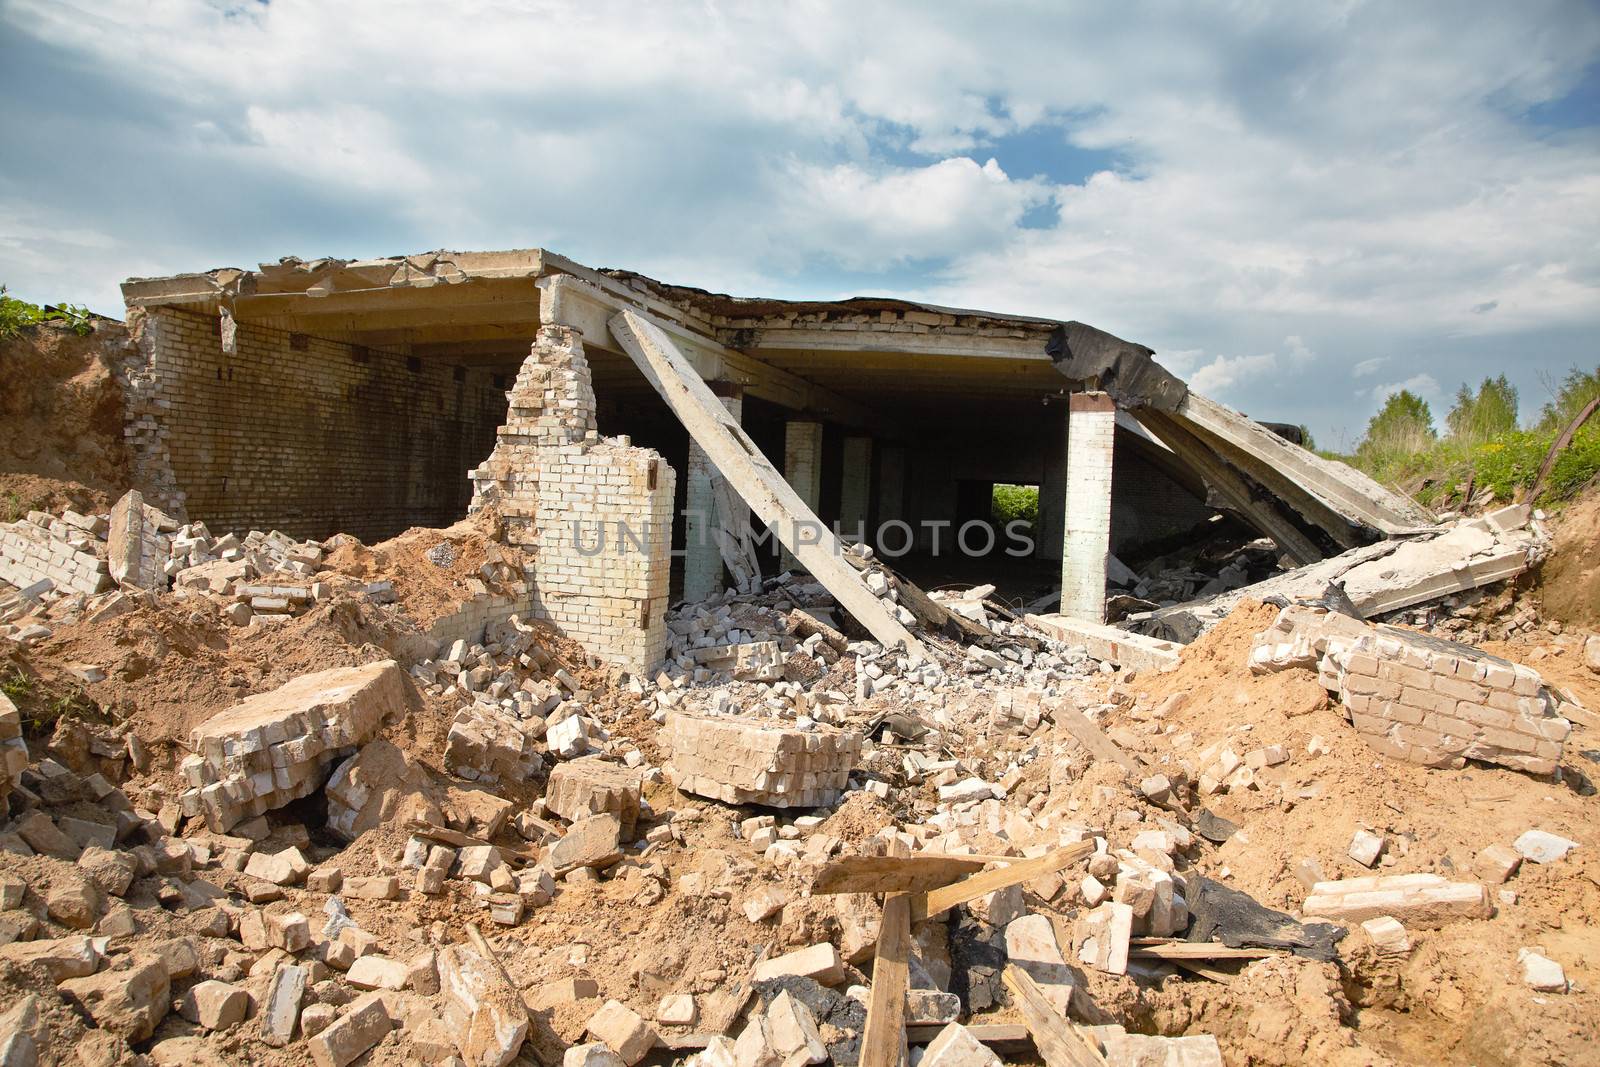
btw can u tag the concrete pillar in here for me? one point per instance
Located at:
(702, 560)
(1091, 430)
(855, 490)
(802, 466)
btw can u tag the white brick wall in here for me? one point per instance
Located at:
(595, 514)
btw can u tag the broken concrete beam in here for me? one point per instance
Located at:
(594, 786)
(275, 747)
(1109, 644)
(755, 761)
(757, 481)
(1418, 900)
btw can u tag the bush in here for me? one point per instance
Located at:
(1012, 502)
(17, 315)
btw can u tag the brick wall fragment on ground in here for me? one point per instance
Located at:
(65, 552)
(741, 760)
(595, 513)
(1419, 698)
(276, 747)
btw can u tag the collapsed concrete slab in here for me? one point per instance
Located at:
(753, 761)
(275, 747)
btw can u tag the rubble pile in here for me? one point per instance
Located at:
(455, 854)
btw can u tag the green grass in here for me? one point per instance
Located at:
(1012, 502)
(1506, 463)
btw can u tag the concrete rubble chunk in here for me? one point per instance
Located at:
(593, 1054)
(485, 1015)
(1031, 944)
(365, 1022)
(62, 958)
(741, 760)
(1102, 937)
(215, 1005)
(591, 842)
(276, 747)
(1366, 847)
(820, 962)
(129, 1003)
(1541, 972)
(792, 1031)
(1497, 863)
(281, 1012)
(677, 1009)
(1540, 846)
(1417, 900)
(1388, 935)
(622, 1030)
(594, 786)
(377, 972)
(954, 1046)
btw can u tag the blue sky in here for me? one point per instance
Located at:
(1301, 207)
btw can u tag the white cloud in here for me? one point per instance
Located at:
(1424, 385)
(1305, 182)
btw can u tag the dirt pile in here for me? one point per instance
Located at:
(1569, 582)
(61, 414)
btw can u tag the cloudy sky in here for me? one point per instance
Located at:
(1300, 206)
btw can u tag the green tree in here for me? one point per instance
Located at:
(1478, 417)
(1577, 389)
(1403, 428)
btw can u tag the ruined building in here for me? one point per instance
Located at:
(368, 397)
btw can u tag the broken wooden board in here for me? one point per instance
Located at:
(883, 1039)
(893, 874)
(1196, 950)
(1091, 737)
(758, 482)
(1060, 1042)
(938, 901)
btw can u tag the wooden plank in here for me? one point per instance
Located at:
(1205, 970)
(1060, 1042)
(1345, 488)
(1197, 950)
(883, 1041)
(938, 901)
(1258, 513)
(892, 874)
(1092, 737)
(758, 482)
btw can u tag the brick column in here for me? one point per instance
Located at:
(702, 559)
(1091, 429)
(802, 466)
(855, 491)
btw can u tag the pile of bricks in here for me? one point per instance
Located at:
(487, 743)
(1419, 698)
(41, 554)
(594, 786)
(751, 761)
(276, 747)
